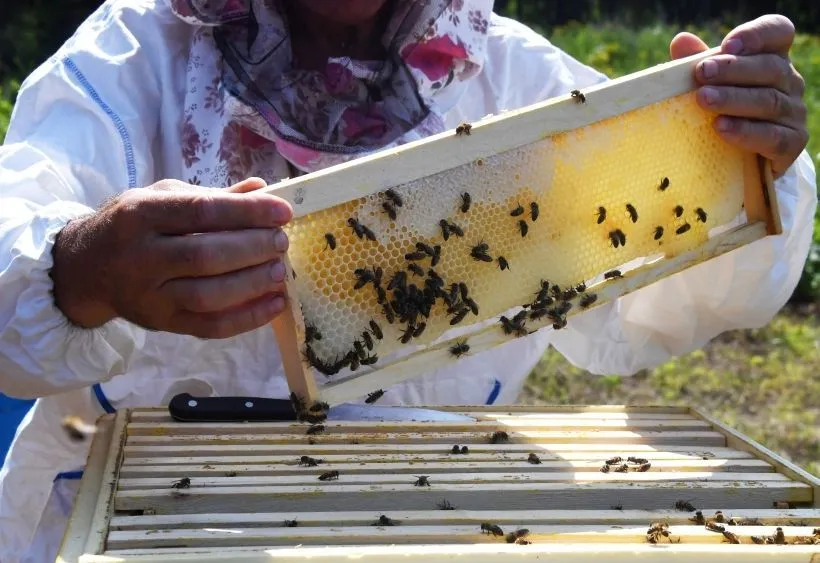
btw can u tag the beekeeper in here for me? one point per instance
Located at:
(117, 142)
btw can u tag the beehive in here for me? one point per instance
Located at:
(630, 176)
(250, 500)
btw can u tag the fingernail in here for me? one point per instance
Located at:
(710, 95)
(280, 241)
(724, 124)
(709, 69)
(277, 272)
(733, 46)
(278, 304)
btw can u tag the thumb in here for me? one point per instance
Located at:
(685, 44)
(248, 185)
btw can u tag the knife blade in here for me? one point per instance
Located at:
(187, 408)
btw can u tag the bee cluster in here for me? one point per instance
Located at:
(618, 464)
(518, 536)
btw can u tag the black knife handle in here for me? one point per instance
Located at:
(187, 408)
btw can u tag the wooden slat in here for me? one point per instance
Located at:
(505, 423)
(406, 475)
(513, 496)
(769, 517)
(477, 553)
(338, 435)
(560, 451)
(362, 466)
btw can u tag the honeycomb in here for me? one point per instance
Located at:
(621, 161)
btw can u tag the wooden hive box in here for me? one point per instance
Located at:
(246, 483)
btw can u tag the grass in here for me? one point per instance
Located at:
(765, 383)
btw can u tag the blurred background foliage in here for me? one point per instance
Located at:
(764, 382)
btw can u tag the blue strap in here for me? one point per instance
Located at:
(68, 475)
(103, 400)
(494, 393)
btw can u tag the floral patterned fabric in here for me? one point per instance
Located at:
(246, 102)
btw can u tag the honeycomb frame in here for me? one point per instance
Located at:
(561, 154)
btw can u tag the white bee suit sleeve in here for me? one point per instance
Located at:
(82, 131)
(742, 289)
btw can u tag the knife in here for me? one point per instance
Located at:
(187, 408)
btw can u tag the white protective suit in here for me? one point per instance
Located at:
(103, 116)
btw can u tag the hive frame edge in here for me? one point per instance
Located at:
(389, 168)
(437, 355)
(87, 527)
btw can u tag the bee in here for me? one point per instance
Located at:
(376, 330)
(394, 197)
(479, 252)
(419, 329)
(615, 238)
(399, 280)
(632, 459)
(319, 406)
(459, 348)
(329, 476)
(499, 437)
(698, 518)
(605, 468)
(425, 248)
(417, 255)
(363, 277)
(612, 274)
(678, 210)
(523, 227)
(231, 474)
(534, 211)
(455, 450)
(581, 287)
(370, 360)
(308, 461)
(701, 214)
(331, 241)
(384, 521)
(779, 537)
(444, 504)
(465, 202)
(359, 349)
(644, 467)
(421, 481)
(621, 468)
(601, 214)
(184, 483)
(368, 340)
(533, 459)
(390, 209)
(759, 539)
(472, 305)
(519, 535)
(614, 460)
(502, 263)
(578, 96)
(464, 128)
(360, 230)
(291, 523)
(559, 324)
(353, 360)
(633, 213)
(587, 300)
(491, 529)
(730, 537)
(517, 211)
(388, 313)
(374, 396)
(656, 531)
(568, 294)
(416, 269)
(658, 232)
(719, 517)
(459, 316)
(445, 229)
(465, 450)
(712, 527)
(77, 429)
(297, 401)
(312, 333)
(315, 429)
(684, 506)
(456, 230)
(664, 184)
(436, 255)
(753, 522)
(617, 507)
(312, 418)
(683, 228)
